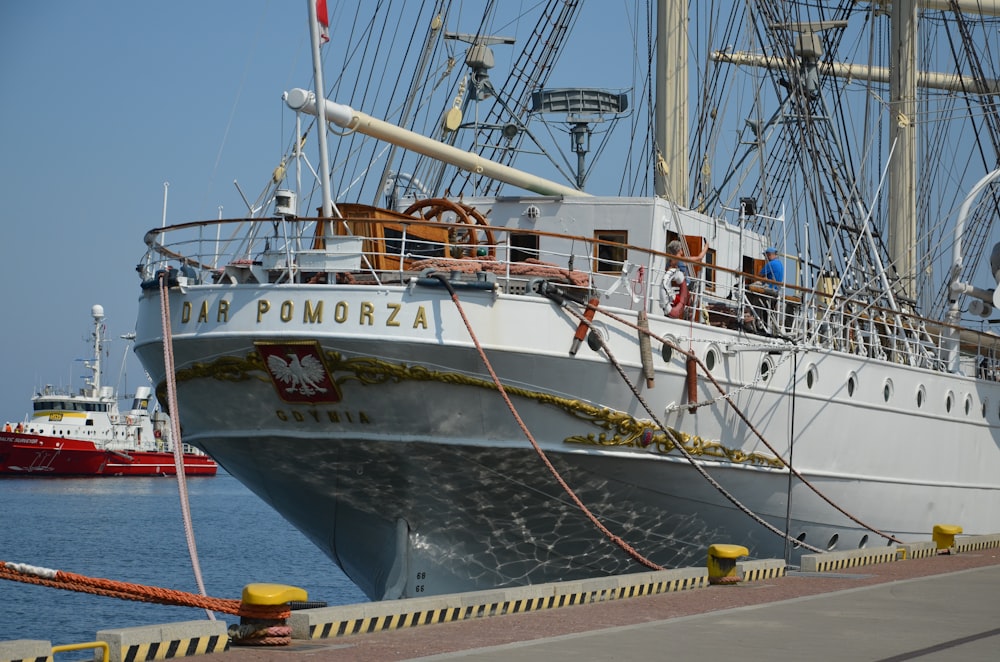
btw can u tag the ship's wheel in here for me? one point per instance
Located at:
(476, 241)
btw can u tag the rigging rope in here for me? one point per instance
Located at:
(631, 551)
(175, 434)
(746, 420)
(680, 446)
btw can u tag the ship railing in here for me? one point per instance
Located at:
(281, 251)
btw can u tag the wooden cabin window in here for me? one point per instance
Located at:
(609, 258)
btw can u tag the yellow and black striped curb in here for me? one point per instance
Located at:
(148, 642)
(381, 616)
(396, 614)
(975, 543)
(164, 642)
(756, 571)
(916, 550)
(853, 558)
(831, 561)
(26, 650)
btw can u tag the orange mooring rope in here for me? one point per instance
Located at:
(614, 538)
(28, 574)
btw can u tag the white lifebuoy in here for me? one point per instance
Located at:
(674, 293)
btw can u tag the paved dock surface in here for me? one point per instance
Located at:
(933, 609)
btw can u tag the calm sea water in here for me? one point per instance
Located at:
(131, 529)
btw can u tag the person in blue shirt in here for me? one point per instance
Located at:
(763, 295)
(774, 268)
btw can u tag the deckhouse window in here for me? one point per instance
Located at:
(609, 257)
(523, 246)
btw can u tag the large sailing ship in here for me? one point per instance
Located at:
(461, 376)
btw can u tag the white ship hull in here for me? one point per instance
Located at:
(418, 479)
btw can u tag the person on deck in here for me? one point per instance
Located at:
(773, 269)
(763, 295)
(674, 295)
(675, 247)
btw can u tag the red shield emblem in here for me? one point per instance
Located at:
(298, 371)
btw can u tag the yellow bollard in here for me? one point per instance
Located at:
(272, 594)
(944, 536)
(722, 563)
(264, 612)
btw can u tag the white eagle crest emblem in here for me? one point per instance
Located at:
(298, 372)
(301, 375)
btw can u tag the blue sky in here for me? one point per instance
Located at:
(103, 103)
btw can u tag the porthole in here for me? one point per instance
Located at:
(811, 376)
(968, 404)
(799, 539)
(711, 358)
(887, 390)
(948, 401)
(921, 396)
(765, 370)
(595, 339)
(832, 545)
(852, 384)
(667, 352)
(863, 542)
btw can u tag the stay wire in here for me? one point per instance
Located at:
(680, 446)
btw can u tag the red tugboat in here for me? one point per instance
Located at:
(85, 434)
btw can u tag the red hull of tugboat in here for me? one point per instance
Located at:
(34, 455)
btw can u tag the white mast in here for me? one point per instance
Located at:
(97, 312)
(324, 159)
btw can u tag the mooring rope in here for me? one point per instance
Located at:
(628, 549)
(175, 435)
(750, 426)
(678, 444)
(28, 574)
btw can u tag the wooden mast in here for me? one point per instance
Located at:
(671, 81)
(903, 141)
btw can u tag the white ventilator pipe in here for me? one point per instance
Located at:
(346, 117)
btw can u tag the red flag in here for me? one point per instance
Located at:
(324, 19)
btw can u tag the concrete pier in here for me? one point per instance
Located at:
(896, 603)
